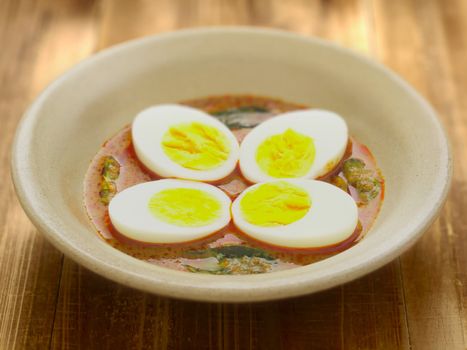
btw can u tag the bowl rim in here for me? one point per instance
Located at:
(221, 288)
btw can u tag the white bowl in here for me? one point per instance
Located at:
(68, 122)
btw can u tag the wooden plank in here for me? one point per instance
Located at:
(95, 313)
(347, 22)
(34, 38)
(125, 20)
(453, 25)
(374, 311)
(29, 276)
(418, 39)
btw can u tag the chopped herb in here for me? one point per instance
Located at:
(354, 169)
(368, 189)
(111, 168)
(218, 271)
(193, 269)
(110, 172)
(245, 265)
(233, 259)
(340, 182)
(236, 266)
(108, 190)
(365, 181)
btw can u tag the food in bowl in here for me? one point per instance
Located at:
(233, 184)
(184, 142)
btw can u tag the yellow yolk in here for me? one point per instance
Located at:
(185, 207)
(196, 146)
(286, 155)
(273, 204)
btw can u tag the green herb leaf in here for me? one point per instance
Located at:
(241, 117)
(365, 181)
(239, 251)
(340, 182)
(229, 251)
(110, 172)
(111, 168)
(219, 271)
(240, 110)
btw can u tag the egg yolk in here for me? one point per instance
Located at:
(286, 155)
(274, 204)
(196, 146)
(185, 207)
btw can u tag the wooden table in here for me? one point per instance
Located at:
(418, 301)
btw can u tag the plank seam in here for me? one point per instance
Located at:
(406, 315)
(57, 298)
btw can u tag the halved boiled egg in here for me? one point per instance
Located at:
(299, 144)
(183, 142)
(296, 213)
(169, 211)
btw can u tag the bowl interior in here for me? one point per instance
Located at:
(65, 127)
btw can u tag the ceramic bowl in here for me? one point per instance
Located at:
(65, 126)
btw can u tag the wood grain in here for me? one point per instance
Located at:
(418, 301)
(435, 311)
(33, 53)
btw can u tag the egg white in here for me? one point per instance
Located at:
(149, 127)
(332, 218)
(327, 129)
(131, 216)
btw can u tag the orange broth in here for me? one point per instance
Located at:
(228, 251)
